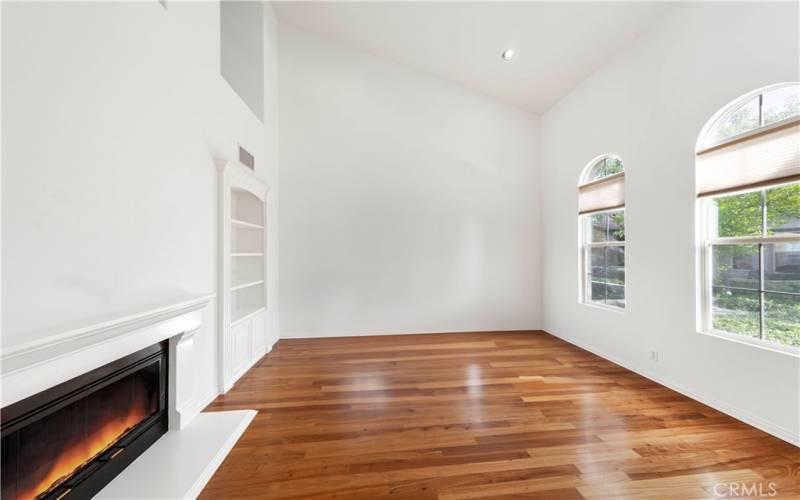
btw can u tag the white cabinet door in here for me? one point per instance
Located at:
(241, 345)
(259, 335)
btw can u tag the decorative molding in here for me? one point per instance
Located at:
(241, 176)
(35, 366)
(782, 433)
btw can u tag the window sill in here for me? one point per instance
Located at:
(603, 307)
(753, 342)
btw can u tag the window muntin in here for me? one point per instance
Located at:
(605, 167)
(757, 110)
(604, 258)
(752, 252)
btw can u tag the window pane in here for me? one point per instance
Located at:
(782, 318)
(598, 263)
(607, 278)
(605, 167)
(615, 276)
(615, 265)
(783, 210)
(598, 171)
(616, 226)
(598, 292)
(597, 276)
(736, 266)
(598, 227)
(738, 215)
(613, 166)
(736, 311)
(615, 295)
(780, 104)
(782, 267)
(744, 119)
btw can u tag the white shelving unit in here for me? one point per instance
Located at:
(243, 272)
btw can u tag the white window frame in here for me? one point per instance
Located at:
(704, 141)
(585, 257)
(708, 240)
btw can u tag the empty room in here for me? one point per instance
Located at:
(411, 250)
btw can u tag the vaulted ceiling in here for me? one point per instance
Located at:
(557, 44)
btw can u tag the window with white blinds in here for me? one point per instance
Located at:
(602, 186)
(601, 214)
(771, 156)
(748, 188)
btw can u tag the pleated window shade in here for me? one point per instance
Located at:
(603, 194)
(767, 157)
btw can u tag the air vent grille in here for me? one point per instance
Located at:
(246, 158)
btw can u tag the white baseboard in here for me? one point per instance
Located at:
(246, 368)
(782, 433)
(307, 335)
(201, 403)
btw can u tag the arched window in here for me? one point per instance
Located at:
(748, 189)
(601, 215)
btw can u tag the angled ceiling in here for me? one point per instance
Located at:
(557, 44)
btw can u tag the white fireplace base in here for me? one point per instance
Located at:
(180, 464)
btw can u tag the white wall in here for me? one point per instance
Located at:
(242, 51)
(407, 204)
(648, 105)
(113, 116)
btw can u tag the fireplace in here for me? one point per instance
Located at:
(71, 440)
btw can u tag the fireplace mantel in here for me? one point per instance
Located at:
(33, 367)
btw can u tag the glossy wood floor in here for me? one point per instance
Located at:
(482, 415)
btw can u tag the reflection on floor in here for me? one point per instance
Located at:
(482, 415)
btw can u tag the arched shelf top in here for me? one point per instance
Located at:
(237, 175)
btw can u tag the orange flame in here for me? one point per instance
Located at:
(76, 456)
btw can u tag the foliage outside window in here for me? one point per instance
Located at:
(609, 165)
(756, 111)
(754, 256)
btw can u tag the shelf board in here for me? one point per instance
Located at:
(238, 318)
(246, 285)
(241, 223)
(247, 254)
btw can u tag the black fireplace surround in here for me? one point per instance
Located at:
(72, 439)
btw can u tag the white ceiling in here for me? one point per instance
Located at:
(557, 44)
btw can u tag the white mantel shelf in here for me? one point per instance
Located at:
(33, 367)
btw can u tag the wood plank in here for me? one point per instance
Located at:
(486, 415)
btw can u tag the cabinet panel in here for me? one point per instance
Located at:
(259, 337)
(241, 345)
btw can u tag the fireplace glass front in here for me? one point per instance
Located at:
(71, 440)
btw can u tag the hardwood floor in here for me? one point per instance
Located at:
(482, 415)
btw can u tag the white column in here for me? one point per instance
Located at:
(181, 380)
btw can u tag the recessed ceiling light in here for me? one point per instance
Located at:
(508, 54)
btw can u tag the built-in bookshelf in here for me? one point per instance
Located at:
(243, 272)
(247, 254)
